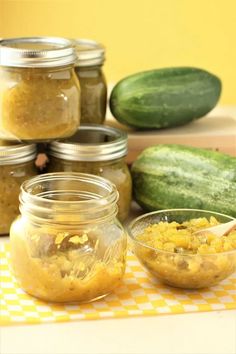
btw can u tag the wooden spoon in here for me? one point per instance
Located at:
(219, 230)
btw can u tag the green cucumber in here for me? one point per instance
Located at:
(164, 98)
(177, 176)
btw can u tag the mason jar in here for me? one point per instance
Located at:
(69, 238)
(39, 90)
(99, 150)
(91, 56)
(16, 165)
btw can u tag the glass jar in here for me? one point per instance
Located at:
(91, 56)
(39, 90)
(99, 150)
(69, 238)
(16, 165)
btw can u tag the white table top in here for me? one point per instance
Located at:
(208, 333)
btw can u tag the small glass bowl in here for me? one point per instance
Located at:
(190, 271)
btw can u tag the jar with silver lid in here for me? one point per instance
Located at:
(16, 165)
(91, 56)
(99, 150)
(39, 90)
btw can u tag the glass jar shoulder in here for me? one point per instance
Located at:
(59, 78)
(116, 169)
(91, 73)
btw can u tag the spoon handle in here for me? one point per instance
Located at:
(223, 229)
(233, 227)
(219, 230)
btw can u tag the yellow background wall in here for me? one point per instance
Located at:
(138, 34)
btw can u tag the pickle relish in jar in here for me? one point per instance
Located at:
(69, 238)
(88, 68)
(16, 165)
(99, 150)
(39, 91)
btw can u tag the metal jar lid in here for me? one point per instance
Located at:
(89, 52)
(92, 143)
(37, 52)
(19, 153)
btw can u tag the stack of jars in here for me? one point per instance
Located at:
(67, 244)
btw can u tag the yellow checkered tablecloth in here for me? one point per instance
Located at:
(138, 295)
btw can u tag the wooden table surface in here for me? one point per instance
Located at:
(216, 131)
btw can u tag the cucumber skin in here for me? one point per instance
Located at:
(164, 98)
(177, 176)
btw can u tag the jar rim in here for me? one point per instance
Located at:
(107, 143)
(37, 52)
(89, 52)
(17, 153)
(37, 199)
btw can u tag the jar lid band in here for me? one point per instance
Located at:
(92, 143)
(19, 153)
(89, 52)
(37, 52)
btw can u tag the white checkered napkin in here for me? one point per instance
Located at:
(138, 295)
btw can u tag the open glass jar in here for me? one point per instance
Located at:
(68, 237)
(99, 150)
(91, 56)
(39, 90)
(16, 165)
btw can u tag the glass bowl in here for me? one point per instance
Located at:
(182, 270)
